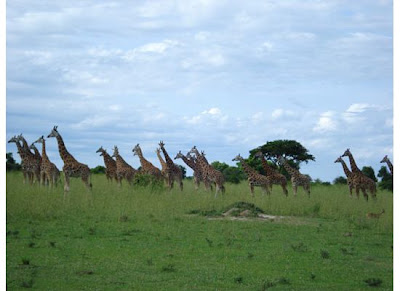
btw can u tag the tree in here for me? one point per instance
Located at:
(386, 179)
(183, 169)
(11, 164)
(369, 172)
(98, 170)
(231, 174)
(340, 180)
(292, 150)
(289, 149)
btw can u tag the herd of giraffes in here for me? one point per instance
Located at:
(38, 166)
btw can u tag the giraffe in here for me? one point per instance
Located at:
(164, 171)
(24, 161)
(389, 163)
(174, 172)
(109, 162)
(192, 164)
(33, 162)
(348, 174)
(297, 178)
(124, 170)
(360, 181)
(38, 158)
(202, 176)
(253, 177)
(147, 167)
(71, 168)
(276, 178)
(48, 170)
(209, 173)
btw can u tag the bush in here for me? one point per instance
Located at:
(145, 180)
(340, 180)
(98, 170)
(11, 164)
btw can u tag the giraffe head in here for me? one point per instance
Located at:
(115, 153)
(281, 159)
(54, 132)
(39, 140)
(136, 150)
(13, 139)
(179, 155)
(385, 159)
(161, 144)
(346, 153)
(338, 160)
(193, 150)
(237, 158)
(258, 155)
(20, 137)
(101, 150)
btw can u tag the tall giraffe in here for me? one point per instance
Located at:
(276, 178)
(71, 168)
(124, 170)
(33, 162)
(209, 173)
(48, 170)
(348, 174)
(253, 177)
(360, 181)
(27, 173)
(147, 167)
(174, 172)
(192, 164)
(297, 178)
(201, 175)
(164, 171)
(109, 162)
(389, 163)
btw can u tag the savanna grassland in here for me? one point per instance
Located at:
(145, 238)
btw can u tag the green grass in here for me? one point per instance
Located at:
(138, 238)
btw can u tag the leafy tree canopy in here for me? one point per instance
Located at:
(386, 179)
(369, 172)
(11, 164)
(289, 149)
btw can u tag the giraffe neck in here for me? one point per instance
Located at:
(188, 162)
(121, 162)
(44, 154)
(291, 170)
(21, 151)
(26, 148)
(167, 158)
(249, 170)
(64, 154)
(162, 162)
(108, 160)
(267, 168)
(390, 165)
(143, 162)
(37, 154)
(202, 159)
(353, 164)
(345, 169)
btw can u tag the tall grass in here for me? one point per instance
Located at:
(109, 202)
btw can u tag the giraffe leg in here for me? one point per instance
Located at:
(365, 193)
(295, 190)
(358, 191)
(285, 191)
(351, 190)
(66, 182)
(251, 189)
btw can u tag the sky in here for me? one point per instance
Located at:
(226, 76)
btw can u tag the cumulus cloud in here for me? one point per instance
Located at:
(326, 122)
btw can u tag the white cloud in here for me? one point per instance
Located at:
(326, 122)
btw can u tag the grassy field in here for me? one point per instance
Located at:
(139, 238)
